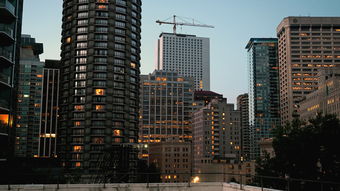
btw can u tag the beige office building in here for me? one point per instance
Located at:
(173, 159)
(306, 44)
(326, 99)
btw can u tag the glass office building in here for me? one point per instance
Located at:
(263, 90)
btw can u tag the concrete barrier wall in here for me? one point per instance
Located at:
(211, 186)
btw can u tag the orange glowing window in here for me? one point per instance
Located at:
(36, 105)
(102, 7)
(180, 79)
(78, 164)
(133, 65)
(77, 148)
(99, 107)
(102, 1)
(4, 118)
(117, 132)
(39, 76)
(77, 123)
(131, 140)
(99, 91)
(338, 30)
(79, 107)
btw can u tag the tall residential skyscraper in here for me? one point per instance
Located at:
(29, 98)
(49, 109)
(100, 63)
(166, 106)
(186, 54)
(263, 90)
(243, 107)
(10, 34)
(305, 45)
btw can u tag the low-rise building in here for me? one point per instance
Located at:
(173, 159)
(326, 99)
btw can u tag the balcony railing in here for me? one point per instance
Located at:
(7, 10)
(6, 29)
(5, 53)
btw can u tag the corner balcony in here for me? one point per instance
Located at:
(6, 35)
(7, 12)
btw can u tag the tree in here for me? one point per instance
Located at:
(305, 151)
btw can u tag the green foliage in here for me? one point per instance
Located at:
(305, 151)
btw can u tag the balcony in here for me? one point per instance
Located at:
(6, 57)
(7, 12)
(6, 35)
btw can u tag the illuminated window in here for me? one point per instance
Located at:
(99, 91)
(117, 132)
(4, 118)
(77, 123)
(100, 107)
(79, 107)
(133, 65)
(78, 164)
(39, 76)
(68, 40)
(77, 148)
(102, 1)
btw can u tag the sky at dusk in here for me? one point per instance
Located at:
(235, 21)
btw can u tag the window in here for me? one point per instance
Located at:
(99, 91)
(117, 132)
(101, 29)
(98, 140)
(78, 148)
(83, 15)
(79, 107)
(82, 7)
(80, 76)
(78, 84)
(100, 107)
(82, 45)
(82, 22)
(81, 52)
(81, 37)
(81, 60)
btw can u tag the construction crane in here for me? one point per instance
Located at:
(175, 23)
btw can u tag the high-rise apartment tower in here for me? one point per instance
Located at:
(186, 54)
(28, 98)
(100, 63)
(10, 34)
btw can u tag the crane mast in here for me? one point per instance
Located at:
(175, 23)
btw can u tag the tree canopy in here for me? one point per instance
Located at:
(305, 150)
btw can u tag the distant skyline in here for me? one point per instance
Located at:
(235, 21)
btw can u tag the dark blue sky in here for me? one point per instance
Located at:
(235, 21)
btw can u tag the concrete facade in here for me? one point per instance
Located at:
(306, 44)
(216, 134)
(172, 157)
(326, 98)
(186, 54)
